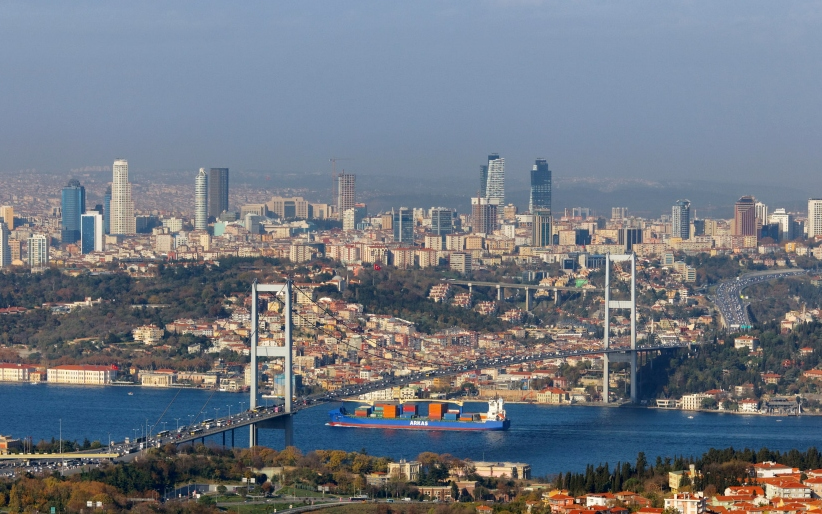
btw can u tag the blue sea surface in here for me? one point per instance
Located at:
(552, 439)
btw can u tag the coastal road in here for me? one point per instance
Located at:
(728, 296)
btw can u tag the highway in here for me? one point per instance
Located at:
(727, 298)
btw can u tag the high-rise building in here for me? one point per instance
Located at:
(201, 200)
(354, 216)
(5, 250)
(91, 232)
(442, 220)
(38, 251)
(217, 191)
(619, 213)
(7, 216)
(346, 197)
(403, 225)
(681, 219)
(814, 217)
(289, 208)
(761, 213)
(73, 206)
(483, 180)
(541, 229)
(495, 187)
(628, 237)
(107, 211)
(745, 216)
(784, 220)
(484, 215)
(122, 206)
(540, 186)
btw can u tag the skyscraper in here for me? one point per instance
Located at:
(201, 200)
(814, 217)
(91, 232)
(38, 251)
(403, 225)
(5, 250)
(346, 194)
(107, 211)
(122, 207)
(73, 206)
(484, 215)
(495, 185)
(785, 221)
(483, 180)
(681, 219)
(541, 230)
(745, 216)
(217, 191)
(7, 215)
(442, 220)
(540, 187)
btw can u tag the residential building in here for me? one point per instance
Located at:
(148, 334)
(484, 215)
(201, 200)
(7, 216)
(745, 216)
(122, 205)
(91, 232)
(540, 187)
(81, 374)
(461, 262)
(217, 191)
(73, 206)
(814, 223)
(694, 401)
(686, 503)
(38, 251)
(345, 192)
(405, 470)
(681, 220)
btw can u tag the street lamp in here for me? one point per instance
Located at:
(109, 442)
(178, 423)
(242, 406)
(190, 419)
(229, 411)
(216, 411)
(164, 425)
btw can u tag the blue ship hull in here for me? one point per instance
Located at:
(340, 419)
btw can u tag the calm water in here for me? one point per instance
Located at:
(551, 439)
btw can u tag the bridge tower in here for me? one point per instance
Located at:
(619, 304)
(284, 352)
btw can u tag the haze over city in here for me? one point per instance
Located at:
(651, 90)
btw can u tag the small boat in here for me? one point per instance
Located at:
(130, 393)
(690, 417)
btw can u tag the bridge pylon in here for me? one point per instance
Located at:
(284, 352)
(619, 304)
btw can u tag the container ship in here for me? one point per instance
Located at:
(408, 416)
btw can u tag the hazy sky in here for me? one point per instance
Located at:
(653, 89)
